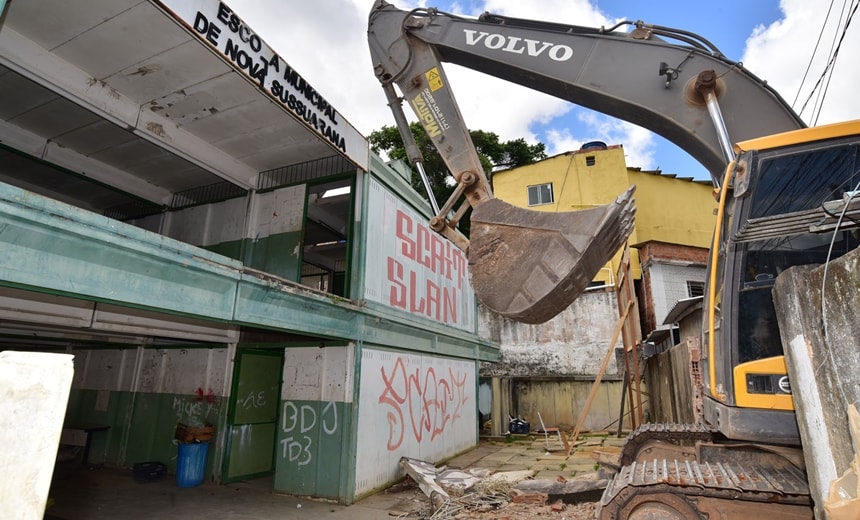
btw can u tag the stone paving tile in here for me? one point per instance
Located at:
(513, 467)
(581, 468)
(469, 458)
(523, 460)
(614, 442)
(553, 475)
(497, 458)
(543, 466)
(513, 451)
(531, 454)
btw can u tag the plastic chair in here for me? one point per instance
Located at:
(562, 438)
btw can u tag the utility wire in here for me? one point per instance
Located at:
(819, 102)
(812, 57)
(830, 63)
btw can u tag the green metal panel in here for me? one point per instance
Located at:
(232, 249)
(86, 407)
(312, 452)
(250, 451)
(277, 254)
(141, 425)
(153, 425)
(258, 390)
(268, 303)
(52, 247)
(253, 413)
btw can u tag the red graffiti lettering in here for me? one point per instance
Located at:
(209, 396)
(430, 403)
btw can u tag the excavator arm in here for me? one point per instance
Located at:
(529, 265)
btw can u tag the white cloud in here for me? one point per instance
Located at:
(638, 143)
(326, 42)
(331, 52)
(781, 52)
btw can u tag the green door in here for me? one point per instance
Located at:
(253, 414)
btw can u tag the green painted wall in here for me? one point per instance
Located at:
(142, 425)
(232, 249)
(313, 448)
(278, 254)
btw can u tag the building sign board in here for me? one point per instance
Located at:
(412, 268)
(218, 26)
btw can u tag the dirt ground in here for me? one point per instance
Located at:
(414, 504)
(582, 511)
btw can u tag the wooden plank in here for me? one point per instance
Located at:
(600, 373)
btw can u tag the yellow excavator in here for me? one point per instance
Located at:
(786, 198)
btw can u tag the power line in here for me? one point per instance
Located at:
(814, 52)
(829, 66)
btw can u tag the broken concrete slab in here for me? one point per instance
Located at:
(511, 477)
(569, 492)
(424, 474)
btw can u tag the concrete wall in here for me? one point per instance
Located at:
(34, 389)
(264, 232)
(571, 344)
(550, 367)
(819, 333)
(561, 401)
(666, 269)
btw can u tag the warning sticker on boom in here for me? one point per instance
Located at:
(429, 113)
(434, 79)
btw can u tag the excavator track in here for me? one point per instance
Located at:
(687, 490)
(646, 435)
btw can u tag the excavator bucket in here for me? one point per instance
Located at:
(530, 265)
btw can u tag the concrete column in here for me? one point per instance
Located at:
(34, 394)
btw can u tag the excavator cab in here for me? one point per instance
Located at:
(794, 202)
(525, 265)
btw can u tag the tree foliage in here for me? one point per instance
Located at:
(494, 154)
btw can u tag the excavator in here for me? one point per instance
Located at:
(786, 198)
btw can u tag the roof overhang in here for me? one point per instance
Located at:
(682, 308)
(150, 98)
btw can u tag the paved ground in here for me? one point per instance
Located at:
(101, 494)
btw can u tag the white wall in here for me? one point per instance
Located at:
(414, 406)
(669, 284)
(572, 343)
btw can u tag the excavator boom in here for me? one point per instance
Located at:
(525, 265)
(638, 76)
(530, 267)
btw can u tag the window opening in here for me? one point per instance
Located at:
(540, 194)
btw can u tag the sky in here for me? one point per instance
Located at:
(788, 43)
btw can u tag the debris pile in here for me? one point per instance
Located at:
(457, 493)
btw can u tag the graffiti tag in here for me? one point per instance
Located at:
(430, 403)
(299, 420)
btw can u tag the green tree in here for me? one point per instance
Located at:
(494, 154)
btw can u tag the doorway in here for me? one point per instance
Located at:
(253, 414)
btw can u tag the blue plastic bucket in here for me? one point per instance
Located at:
(191, 464)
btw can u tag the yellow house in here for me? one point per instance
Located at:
(674, 216)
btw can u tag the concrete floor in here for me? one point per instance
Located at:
(107, 493)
